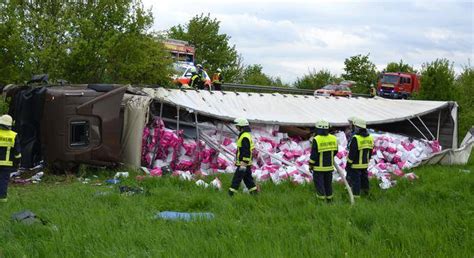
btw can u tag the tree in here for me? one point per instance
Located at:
(361, 70)
(437, 81)
(113, 45)
(13, 49)
(254, 75)
(82, 42)
(399, 67)
(315, 79)
(465, 85)
(213, 49)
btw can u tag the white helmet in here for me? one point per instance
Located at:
(322, 124)
(199, 66)
(219, 70)
(241, 122)
(360, 123)
(6, 120)
(351, 119)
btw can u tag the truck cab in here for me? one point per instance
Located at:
(398, 85)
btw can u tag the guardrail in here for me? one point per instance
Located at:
(272, 89)
(289, 90)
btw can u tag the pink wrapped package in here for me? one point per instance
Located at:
(222, 163)
(396, 159)
(190, 147)
(408, 146)
(382, 166)
(411, 176)
(156, 172)
(227, 141)
(216, 183)
(398, 172)
(391, 150)
(435, 147)
(275, 178)
(401, 164)
(298, 179)
(291, 171)
(268, 140)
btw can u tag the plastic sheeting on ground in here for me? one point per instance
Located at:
(458, 156)
(163, 147)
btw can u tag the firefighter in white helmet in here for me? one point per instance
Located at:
(9, 153)
(243, 159)
(360, 151)
(321, 162)
(217, 79)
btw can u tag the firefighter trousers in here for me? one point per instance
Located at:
(248, 181)
(323, 183)
(358, 179)
(4, 178)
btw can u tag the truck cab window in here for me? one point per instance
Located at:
(79, 134)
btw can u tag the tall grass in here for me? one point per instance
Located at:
(432, 216)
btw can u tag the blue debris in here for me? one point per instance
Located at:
(112, 181)
(185, 216)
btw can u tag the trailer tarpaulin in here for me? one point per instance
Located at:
(298, 110)
(411, 117)
(135, 117)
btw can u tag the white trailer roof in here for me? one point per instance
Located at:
(297, 110)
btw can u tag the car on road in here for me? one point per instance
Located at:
(334, 90)
(182, 75)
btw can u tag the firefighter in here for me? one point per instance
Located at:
(201, 83)
(373, 92)
(9, 154)
(243, 159)
(321, 162)
(360, 151)
(217, 80)
(349, 131)
(195, 78)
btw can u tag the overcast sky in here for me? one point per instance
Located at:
(290, 38)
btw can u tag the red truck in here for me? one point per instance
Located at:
(398, 85)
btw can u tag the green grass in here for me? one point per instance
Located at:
(432, 216)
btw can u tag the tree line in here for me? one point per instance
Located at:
(112, 42)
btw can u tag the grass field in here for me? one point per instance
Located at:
(432, 216)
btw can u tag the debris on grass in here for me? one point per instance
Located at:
(201, 182)
(184, 216)
(27, 217)
(121, 175)
(113, 181)
(127, 190)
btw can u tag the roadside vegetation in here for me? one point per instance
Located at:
(430, 216)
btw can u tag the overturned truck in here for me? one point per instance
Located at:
(103, 125)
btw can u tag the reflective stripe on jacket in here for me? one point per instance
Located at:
(7, 151)
(216, 78)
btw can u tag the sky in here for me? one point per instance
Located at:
(292, 38)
